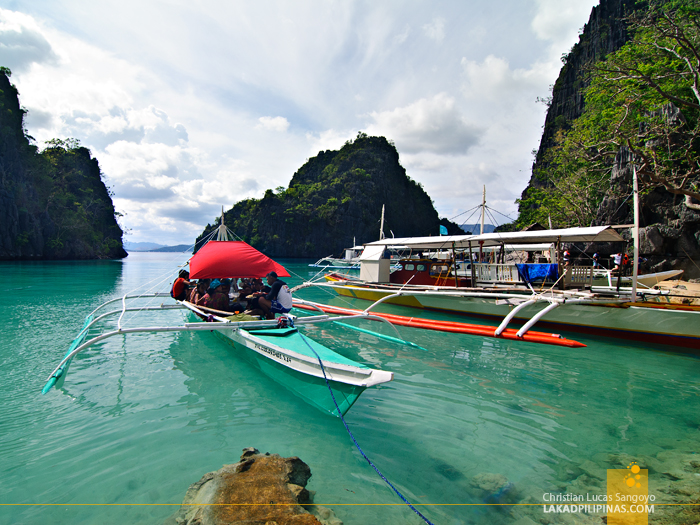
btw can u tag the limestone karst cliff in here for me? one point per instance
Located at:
(336, 198)
(669, 237)
(53, 204)
(605, 32)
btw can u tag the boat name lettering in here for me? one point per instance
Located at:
(273, 353)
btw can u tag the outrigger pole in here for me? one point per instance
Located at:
(59, 373)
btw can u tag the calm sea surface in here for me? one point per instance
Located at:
(141, 417)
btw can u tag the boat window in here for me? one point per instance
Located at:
(420, 267)
(437, 269)
(409, 267)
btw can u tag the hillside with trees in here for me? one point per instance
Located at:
(336, 199)
(639, 111)
(53, 203)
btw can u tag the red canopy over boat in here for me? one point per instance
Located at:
(232, 259)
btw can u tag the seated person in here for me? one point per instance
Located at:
(244, 291)
(278, 300)
(226, 287)
(198, 292)
(259, 287)
(179, 291)
(215, 299)
(258, 291)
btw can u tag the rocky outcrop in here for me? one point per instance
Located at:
(261, 489)
(53, 204)
(334, 200)
(669, 236)
(605, 32)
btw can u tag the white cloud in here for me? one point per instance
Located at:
(494, 80)
(22, 43)
(402, 36)
(273, 123)
(559, 21)
(432, 125)
(177, 134)
(435, 30)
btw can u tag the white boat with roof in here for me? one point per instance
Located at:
(552, 293)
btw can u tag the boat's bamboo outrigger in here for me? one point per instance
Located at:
(340, 370)
(455, 327)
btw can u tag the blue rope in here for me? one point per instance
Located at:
(353, 437)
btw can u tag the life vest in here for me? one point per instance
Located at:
(178, 290)
(625, 259)
(284, 297)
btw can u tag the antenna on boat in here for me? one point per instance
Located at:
(222, 235)
(483, 208)
(381, 226)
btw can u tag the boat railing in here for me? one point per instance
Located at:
(578, 276)
(496, 273)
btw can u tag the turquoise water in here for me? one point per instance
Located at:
(141, 417)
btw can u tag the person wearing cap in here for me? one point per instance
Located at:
(278, 300)
(215, 298)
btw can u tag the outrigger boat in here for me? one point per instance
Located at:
(567, 300)
(320, 376)
(351, 261)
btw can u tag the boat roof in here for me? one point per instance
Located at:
(588, 234)
(232, 259)
(535, 247)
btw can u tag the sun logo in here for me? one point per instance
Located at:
(632, 479)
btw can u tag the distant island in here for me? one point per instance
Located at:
(153, 247)
(476, 228)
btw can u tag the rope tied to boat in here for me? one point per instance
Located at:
(347, 428)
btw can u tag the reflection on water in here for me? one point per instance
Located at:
(466, 419)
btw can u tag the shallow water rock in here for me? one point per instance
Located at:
(261, 489)
(494, 488)
(489, 482)
(593, 469)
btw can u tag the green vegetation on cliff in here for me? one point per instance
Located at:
(641, 114)
(643, 103)
(53, 203)
(334, 198)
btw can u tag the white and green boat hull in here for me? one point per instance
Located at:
(292, 360)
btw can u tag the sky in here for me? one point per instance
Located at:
(194, 105)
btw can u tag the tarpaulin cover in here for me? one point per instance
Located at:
(538, 272)
(232, 259)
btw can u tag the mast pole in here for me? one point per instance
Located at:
(454, 264)
(381, 226)
(635, 234)
(222, 235)
(483, 208)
